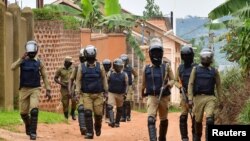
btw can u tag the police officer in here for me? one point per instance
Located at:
(182, 77)
(202, 82)
(107, 66)
(30, 69)
(118, 86)
(91, 80)
(127, 104)
(63, 73)
(156, 77)
(71, 89)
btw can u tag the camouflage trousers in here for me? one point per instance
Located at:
(66, 100)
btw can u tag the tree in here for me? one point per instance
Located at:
(152, 10)
(112, 7)
(238, 26)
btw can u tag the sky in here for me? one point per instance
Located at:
(180, 8)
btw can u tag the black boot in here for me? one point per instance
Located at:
(124, 107)
(81, 119)
(198, 131)
(209, 121)
(26, 120)
(66, 115)
(107, 113)
(73, 114)
(183, 127)
(152, 128)
(111, 116)
(118, 116)
(128, 111)
(89, 124)
(163, 130)
(33, 123)
(98, 124)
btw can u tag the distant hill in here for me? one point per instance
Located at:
(193, 27)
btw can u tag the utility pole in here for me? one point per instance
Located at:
(39, 3)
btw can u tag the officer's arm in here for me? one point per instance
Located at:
(44, 76)
(16, 64)
(135, 74)
(78, 79)
(126, 82)
(71, 79)
(143, 87)
(104, 79)
(191, 84)
(171, 77)
(57, 75)
(177, 79)
(218, 84)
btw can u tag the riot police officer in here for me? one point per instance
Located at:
(118, 86)
(30, 69)
(157, 79)
(63, 73)
(132, 80)
(182, 78)
(201, 87)
(91, 81)
(107, 66)
(71, 89)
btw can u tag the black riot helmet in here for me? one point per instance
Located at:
(82, 58)
(125, 58)
(106, 64)
(118, 65)
(90, 53)
(187, 55)
(156, 51)
(206, 56)
(31, 48)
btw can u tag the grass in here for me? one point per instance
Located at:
(244, 116)
(171, 109)
(9, 119)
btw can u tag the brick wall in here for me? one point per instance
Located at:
(54, 44)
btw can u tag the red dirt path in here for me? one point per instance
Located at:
(135, 130)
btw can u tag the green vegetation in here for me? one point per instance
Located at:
(64, 13)
(235, 18)
(12, 118)
(171, 109)
(244, 116)
(235, 94)
(152, 10)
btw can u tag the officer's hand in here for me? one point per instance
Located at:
(48, 95)
(24, 55)
(190, 104)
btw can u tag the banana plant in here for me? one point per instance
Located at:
(238, 26)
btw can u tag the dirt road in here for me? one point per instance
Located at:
(135, 130)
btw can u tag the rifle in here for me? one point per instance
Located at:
(186, 100)
(162, 86)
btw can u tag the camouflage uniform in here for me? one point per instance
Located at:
(64, 75)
